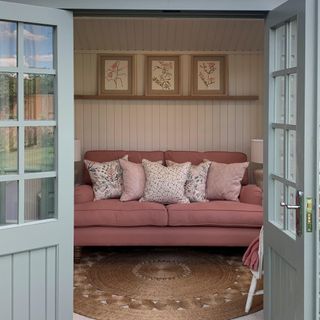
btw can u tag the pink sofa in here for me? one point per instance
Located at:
(215, 223)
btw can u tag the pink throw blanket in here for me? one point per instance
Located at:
(251, 257)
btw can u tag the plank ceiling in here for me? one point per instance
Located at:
(168, 34)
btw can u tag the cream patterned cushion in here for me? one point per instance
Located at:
(224, 180)
(106, 178)
(165, 184)
(195, 187)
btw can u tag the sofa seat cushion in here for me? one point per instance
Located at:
(114, 213)
(216, 213)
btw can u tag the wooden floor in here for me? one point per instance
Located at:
(256, 316)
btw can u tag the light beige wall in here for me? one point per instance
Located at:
(170, 124)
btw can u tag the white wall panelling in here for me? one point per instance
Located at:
(170, 124)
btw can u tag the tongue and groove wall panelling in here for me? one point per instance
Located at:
(170, 124)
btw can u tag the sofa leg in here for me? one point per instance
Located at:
(77, 254)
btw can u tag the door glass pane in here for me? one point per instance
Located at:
(8, 151)
(280, 48)
(279, 100)
(278, 198)
(38, 46)
(8, 96)
(292, 213)
(8, 47)
(39, 199)
(292, 99)
(292, 155)
(8, 202)
(279, 152)
(39, 149)
(39, 97)
(293, 44)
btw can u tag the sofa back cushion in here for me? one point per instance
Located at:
(196, 157)
(110, 155)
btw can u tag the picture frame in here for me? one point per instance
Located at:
(162, 75)
(209, 75)
(115, 74)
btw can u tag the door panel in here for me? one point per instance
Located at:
(31, 282)
(36, 162)
(287, 277)
(20, 285)
(6, 286)
(290, 158)
(37, 267)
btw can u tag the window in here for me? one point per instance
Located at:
(284, 123)
(27, 123)
(283, 138)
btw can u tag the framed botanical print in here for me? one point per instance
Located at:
(115, 74)
(162, 75)
(209, 75)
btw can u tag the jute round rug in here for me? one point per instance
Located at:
(166, 284)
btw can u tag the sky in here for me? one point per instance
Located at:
(38, 45)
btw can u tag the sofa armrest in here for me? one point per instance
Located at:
(251, 194)
(83, 193)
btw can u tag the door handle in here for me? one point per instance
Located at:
(297, 207)
(290, 206)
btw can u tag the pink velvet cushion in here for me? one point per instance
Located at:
(83, 193)
(133, 180)
(114, 213)
(224, 180)
(196, 157)
(216, 213)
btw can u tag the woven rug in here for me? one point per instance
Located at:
(162, 284)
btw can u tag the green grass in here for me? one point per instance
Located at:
(37, 159)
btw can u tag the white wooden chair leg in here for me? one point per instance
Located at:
(252, 289)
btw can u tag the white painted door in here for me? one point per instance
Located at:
(36, 163)
(290, 162)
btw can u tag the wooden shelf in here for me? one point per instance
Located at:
(96, 97)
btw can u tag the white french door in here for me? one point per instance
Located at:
(36, 163)
(290, 157)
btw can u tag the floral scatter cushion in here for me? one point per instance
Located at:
(165, 184)
(195, 187)
(224, 180)
(134, 180)
(106, 178)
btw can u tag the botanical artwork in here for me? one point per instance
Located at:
(162, 75)
(208, 75)
(115, 74)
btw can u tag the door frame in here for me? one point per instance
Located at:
(203, 5)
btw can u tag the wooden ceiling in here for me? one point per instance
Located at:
(168, 34)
